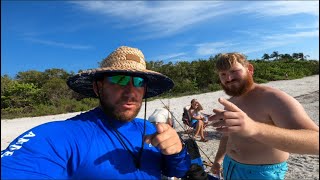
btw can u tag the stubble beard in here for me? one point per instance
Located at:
(112, 111)
(244, 86)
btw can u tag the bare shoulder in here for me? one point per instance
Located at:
(277, 101)
(285, 110)
(272, 94)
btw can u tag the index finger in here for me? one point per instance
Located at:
(217, 111)
(229, 105)
(161, 127)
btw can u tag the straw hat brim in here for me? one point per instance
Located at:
(156, 83)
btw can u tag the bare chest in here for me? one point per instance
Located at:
(256, 110)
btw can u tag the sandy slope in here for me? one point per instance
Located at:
(305, 90)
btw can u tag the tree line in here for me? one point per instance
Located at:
(276, 56)
(35, 93)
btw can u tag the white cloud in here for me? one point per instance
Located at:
(59, 44)
(169, 56)
(160, 18)
(257, 42)
(283, 8)
(214, 47)
(314, 25)
(287, 36)
(262, 46)
(163, 18)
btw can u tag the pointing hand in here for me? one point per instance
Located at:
(233, 120)
(166, 139)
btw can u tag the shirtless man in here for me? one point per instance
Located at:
(260, 125)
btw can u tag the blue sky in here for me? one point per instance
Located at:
(74, 35)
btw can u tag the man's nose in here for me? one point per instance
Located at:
(229, 77)
(130, 85)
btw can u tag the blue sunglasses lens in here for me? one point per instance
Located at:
(138, 82)
(124, 80)
(119, 79)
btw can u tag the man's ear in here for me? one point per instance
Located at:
(250, 69)
(95, 87)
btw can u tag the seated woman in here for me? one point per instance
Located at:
(198, 120)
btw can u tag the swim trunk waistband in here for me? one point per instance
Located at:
(253, 166)
(236, 170)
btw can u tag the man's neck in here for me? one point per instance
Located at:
(248, 92)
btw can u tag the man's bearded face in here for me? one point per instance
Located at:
(238, 86)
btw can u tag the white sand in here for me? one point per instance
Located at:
(305, 90)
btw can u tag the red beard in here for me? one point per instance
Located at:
(243, 87)
(113, 111)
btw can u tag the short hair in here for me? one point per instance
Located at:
(226, 60)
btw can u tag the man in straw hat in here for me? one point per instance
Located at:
(108, 142)
(260, 125)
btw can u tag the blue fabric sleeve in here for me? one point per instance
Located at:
(40, 153)
(177, 165)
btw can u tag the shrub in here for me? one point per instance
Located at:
(214, 87)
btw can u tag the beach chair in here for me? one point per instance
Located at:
(186, 119)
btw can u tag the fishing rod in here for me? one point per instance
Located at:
(185, 131)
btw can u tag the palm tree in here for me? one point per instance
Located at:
(295, 56)
(285, 56)
(301, 56)
(265, 56)
(275, 55)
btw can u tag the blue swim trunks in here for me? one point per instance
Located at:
(235, 170)
(194, 123)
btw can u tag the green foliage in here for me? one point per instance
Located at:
(40, 78)
(259, 80)
(31, 77)
(9, 113)
(56, 73)
(65, 105)
(214, 87)
(56, 89)
(185, 85)
(20, 95)
(6, 82)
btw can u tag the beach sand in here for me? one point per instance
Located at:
(305, 90)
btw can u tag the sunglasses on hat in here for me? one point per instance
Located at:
(124, 80)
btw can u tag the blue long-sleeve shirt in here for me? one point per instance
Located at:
(87, 147)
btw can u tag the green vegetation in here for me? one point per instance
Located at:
(34, 93)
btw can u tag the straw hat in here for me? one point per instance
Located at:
(124, 60)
